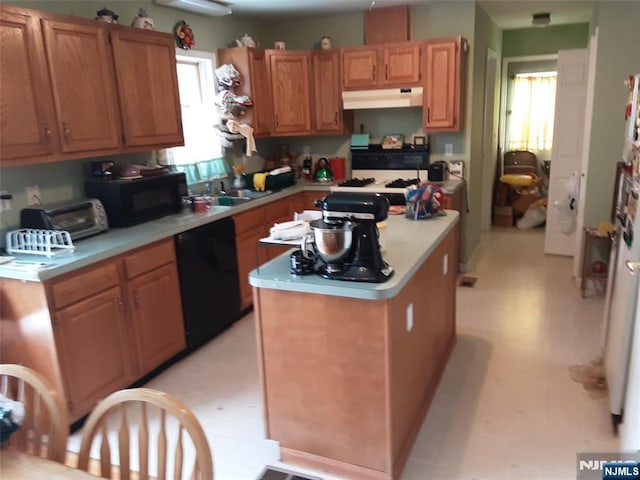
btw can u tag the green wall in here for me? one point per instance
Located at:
(618, 57)
(540, 41)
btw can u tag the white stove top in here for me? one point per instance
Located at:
(380, 179)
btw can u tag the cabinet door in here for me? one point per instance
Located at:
(290, 90)
(262, 111)
(249, 256)
(157, 316)
(84, 94)
(328, 97)
(145, 66)
(442, 96)
(401, 65)
(27, 123)
(93, 349)
(359, 68)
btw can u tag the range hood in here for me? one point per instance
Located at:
(382, 98)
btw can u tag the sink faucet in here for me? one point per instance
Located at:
(222, 190)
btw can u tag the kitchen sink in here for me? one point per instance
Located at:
(247, 193)
(230, 201)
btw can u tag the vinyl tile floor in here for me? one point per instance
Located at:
(506, 407)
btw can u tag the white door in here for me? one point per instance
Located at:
(582, 190)
(489, 139)
(568, 134)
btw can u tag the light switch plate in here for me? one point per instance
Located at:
(448, 149)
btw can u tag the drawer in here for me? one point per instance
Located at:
(149, 257)
(82, 285)
(249, 220)
(278, 210)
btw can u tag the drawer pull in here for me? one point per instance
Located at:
(66, 132)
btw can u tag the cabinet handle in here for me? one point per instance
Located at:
(429, 115)
(136, 298)
(277, 120)
(47, 132)
(373, 75)
(386, 72)
(336, 118)
(121, 307)
(66, 132)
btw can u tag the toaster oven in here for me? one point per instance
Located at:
(81, 218)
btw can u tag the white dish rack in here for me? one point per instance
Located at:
(39, 242)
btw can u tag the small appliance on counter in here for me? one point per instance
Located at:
(81, 218)
(346, 238)
(323, 171)
(438, 171)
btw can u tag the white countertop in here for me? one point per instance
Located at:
(120, 240)
(408, 244)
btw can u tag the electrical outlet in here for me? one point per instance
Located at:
(33, 195)
(409, 317)
(448, 149)
(5, 201)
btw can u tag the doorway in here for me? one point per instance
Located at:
(526, 125)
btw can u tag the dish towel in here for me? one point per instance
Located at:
(246, 131)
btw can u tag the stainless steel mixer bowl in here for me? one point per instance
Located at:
(332, 242)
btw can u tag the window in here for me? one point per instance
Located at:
(201, 157)
(530, 123)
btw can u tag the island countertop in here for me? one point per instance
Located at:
(408, 244)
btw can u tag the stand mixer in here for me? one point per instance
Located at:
(346, 238)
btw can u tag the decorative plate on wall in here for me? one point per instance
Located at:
(185, 38)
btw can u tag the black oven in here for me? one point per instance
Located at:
(130, 202)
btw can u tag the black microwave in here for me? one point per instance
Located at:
(130, 202)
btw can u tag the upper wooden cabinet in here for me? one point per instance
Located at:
(290, 78)
(382, 66)
(145, 65)
(27, 124)
(327, 91)
(386, 25)
(445, 72)
(74, 87)
(252, 65)
(84, 92)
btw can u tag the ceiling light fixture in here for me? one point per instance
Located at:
(205, 7)
(541, 19)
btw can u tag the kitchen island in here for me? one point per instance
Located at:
(349, 369)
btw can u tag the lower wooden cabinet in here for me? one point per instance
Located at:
(92, 341)
(98, 329)
(155, 311)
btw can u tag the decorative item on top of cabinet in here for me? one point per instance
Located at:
(142, 20)
(290, 76)
(184, 35)
(444, 79)
(382, 66)
(45, 54)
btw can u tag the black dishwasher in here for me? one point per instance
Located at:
(208, 270)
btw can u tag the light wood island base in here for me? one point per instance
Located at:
(347, 382)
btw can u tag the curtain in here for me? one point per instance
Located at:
(532, 109)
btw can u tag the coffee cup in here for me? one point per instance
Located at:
(199, 205)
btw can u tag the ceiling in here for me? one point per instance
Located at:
(508, 14)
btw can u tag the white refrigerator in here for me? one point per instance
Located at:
(622, 330)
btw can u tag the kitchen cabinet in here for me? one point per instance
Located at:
(386, 25)
(80, 67)
(252, 65)
(145, 66)
(445, 72)
(27, 125)
(382, 66)
(328, 93)
(91, 335)
(84, 88)
(290, 81)
(98, 329)
(154, 297)
(306, 201)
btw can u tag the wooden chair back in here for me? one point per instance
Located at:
(519, 161)
(45, 429)
(126, 413)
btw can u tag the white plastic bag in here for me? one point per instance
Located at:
(532, 218)
(567, 208)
